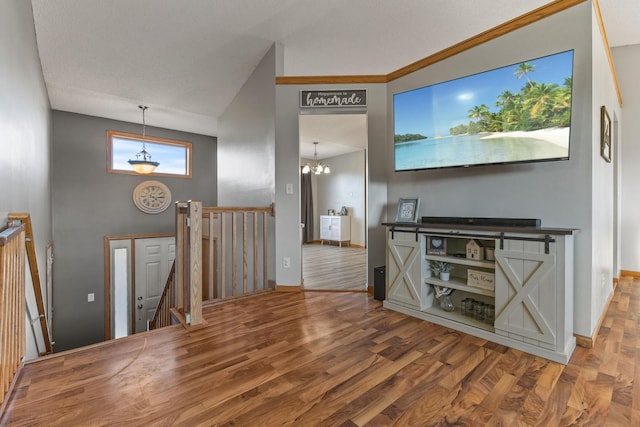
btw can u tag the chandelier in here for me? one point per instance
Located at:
(317, 167)
(143, 164)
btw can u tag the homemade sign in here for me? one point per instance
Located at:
(333, 98)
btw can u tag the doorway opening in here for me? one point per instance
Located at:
(333, 205)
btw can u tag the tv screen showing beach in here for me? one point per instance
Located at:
(517, 113)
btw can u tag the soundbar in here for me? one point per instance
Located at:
(492, 222)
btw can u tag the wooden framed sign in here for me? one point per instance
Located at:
(436, 245)
(333, 98)
(408, 210)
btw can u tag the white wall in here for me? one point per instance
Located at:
(602, 187)
(627, 63)
(246, 145)
(344, 186)
(246, 141)
(25, 126)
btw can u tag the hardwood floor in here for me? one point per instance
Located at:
(332, 359)
(329, 267)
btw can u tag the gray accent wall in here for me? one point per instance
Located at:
(25, 146)
(89, 204)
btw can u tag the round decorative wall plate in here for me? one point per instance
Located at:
(152, 197)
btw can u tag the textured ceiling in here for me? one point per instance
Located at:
(187, 59)
(335, 134)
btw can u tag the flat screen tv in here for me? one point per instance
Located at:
(513, 114)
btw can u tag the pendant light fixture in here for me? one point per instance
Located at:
(318, 167)
(143, 164)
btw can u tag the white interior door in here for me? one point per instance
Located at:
(153, 262)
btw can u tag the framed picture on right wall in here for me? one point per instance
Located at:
(605, 134)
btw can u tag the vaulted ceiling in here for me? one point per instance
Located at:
(187, 59)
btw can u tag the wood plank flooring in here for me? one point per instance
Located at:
(329, 267)
(332, 359)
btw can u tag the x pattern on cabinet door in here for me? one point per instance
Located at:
(522, 304)
(402, 287)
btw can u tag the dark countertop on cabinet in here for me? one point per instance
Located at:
(465, 227)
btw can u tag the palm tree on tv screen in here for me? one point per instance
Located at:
(524, 69)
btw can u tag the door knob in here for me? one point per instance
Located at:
(139, 298)
(140, 306)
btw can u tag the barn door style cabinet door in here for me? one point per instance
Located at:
(404, 271)
(528, 286)
(534, 292)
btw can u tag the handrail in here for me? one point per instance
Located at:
(10, 233)
(162, 315)
(25, 218)
(12, 307)
(217, 209)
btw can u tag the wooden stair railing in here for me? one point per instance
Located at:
(233, 238)
(236, 239)
(25, 218)
(162, 315)
(12, 307)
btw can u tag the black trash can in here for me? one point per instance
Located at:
(379, 282)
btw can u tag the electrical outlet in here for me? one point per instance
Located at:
(91, 297)
(286, 262)
(289, 188)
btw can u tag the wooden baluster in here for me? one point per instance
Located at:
(211, 265)
(265, 263)
(223, 257)
(234, 256)
(244, 253)
(255, 251)
(180, 250)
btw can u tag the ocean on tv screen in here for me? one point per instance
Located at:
(469, 150)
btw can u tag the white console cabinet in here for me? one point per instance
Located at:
(532, 274)
(336, 228)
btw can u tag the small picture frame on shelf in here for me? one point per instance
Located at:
(408, 210)
(436, 245)
(331, 212)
